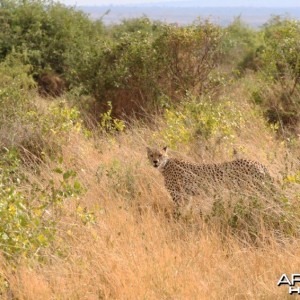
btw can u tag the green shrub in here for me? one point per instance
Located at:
(241, 46)
(24, 123)
(15, 91)
(27, 218)
(200, 118)
(280, 70)
(48, 130)
(186, 56)
(142, 24)
(123, 72)
(132, 65)
(140, 67)
(15, 84)
(48, 35)
(281, 52)
(109, 124)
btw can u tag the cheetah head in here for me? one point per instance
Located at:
(158, 158)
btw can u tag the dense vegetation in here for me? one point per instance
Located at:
(79, 101)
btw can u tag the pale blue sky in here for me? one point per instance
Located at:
(105, 2)
(258, 3)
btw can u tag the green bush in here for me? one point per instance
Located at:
(16, 88)
(109, 124)
(123, 72)
(132, 65)
(281, 52)
(140, 67)
(186, 56)
(28, 218)
(15, 84)
(241, 46)
(23, 123)
(48, 130)
(48, 35)
(142, 24)
(200, 118)
(280, 69)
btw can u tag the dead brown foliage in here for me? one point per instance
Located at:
(51, 85)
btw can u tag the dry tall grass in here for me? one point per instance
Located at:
(135, 250)
(119, 239)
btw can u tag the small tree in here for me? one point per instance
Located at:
(280, 59)
(281, 55)
(187, 55)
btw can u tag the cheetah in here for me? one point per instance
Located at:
(184, 179)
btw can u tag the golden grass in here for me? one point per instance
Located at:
(136, 250)
(125, 257)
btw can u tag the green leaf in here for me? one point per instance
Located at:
(58, 170)
(68, 174)
(77, 186)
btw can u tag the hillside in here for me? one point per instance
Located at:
(84, 215)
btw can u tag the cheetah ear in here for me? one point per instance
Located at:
(165, 149)
(148, 149)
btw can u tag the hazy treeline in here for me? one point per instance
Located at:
(140, 62)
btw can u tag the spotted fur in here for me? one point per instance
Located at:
(183, 178)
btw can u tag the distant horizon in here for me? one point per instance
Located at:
(186, 15)
(187, 3)
(190, 6)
